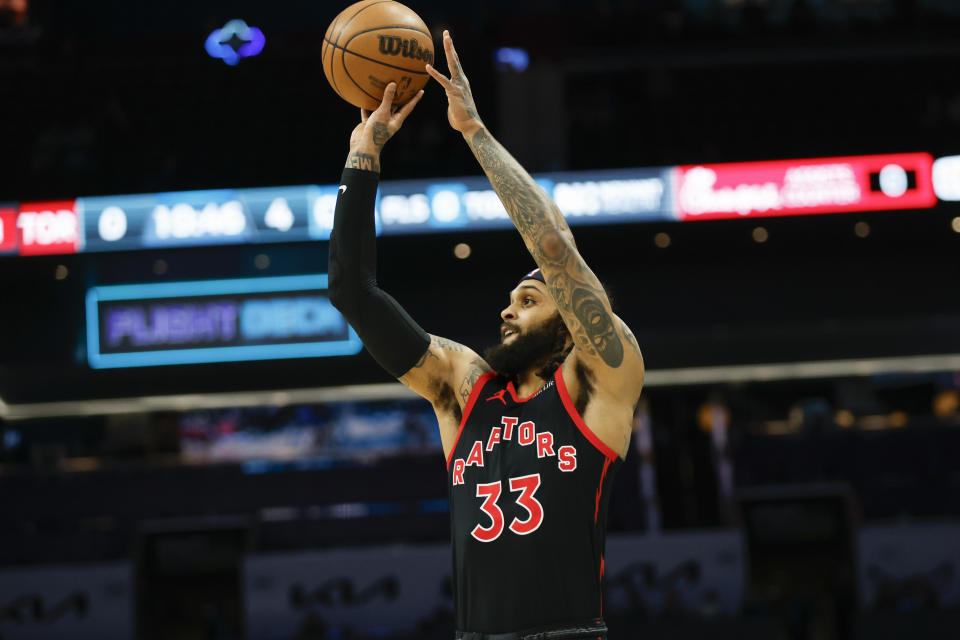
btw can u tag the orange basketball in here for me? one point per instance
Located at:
(372, 43)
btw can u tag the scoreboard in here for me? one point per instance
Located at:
(906, 181)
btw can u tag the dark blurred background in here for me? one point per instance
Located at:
(795, 469)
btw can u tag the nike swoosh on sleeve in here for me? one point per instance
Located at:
(343, 188)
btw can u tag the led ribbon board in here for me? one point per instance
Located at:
(905, 181)
(215, 321)
(803, 187)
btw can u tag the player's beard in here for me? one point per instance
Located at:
(529, 349)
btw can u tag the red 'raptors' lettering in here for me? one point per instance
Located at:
(475, 459)
(508, 425)
(458, 468)
(525, 433)
(544, 444)
(567, 458)
(494, 438)
(490, 491)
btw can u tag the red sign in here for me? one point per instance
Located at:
(48, 227)
(8, 229)
(800, 187)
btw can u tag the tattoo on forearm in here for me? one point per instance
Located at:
(577, 292)
(380, 134)
(363, 161)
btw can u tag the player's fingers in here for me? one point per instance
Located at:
(407, 108)
(453, 60)
(439, 77)
(364, 114)
(387, 102)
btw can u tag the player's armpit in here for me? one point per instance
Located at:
(445, 374)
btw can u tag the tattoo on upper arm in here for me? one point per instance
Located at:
(449, 345)
(363, 161)
(478, 368)
(598, 325)
(439, 390)
(577, 292)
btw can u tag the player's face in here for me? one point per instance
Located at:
(530, 307)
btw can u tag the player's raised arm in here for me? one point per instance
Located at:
(601, 340)
(441, 371)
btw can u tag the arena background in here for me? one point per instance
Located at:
(795, 469)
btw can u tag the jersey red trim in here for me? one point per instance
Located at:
(467, 408)
(575, 416)
(601, 584)
(603, 476)
(513, 393)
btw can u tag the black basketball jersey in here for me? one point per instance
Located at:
(529, 488)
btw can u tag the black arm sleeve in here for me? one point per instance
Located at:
(388, 332)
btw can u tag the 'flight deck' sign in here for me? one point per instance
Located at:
(215, 321)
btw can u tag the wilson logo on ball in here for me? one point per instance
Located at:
(408, 48)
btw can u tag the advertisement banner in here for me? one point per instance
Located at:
(66, 603)
(398, 589)
(802, 187)
(699, 573)
(471, 204)
(215, 321)
(909, 567)
(369, 591)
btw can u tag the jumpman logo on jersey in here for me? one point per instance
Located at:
(499, 396)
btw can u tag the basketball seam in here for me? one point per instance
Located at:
(333, 52)
(361, 10)
(333, 55)
(386, 64)
(387, 26)
(343, 60)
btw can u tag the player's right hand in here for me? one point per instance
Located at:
(378, 126)
(461, 110)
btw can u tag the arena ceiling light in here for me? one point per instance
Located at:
(234, 41)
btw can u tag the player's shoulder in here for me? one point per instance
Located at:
(446, 368)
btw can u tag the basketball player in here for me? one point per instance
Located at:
(534, 430)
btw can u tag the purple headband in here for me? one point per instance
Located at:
(534, 275)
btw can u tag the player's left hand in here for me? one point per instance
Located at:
(461, 112)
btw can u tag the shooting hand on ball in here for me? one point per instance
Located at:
(376, 127)
(461, 112)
